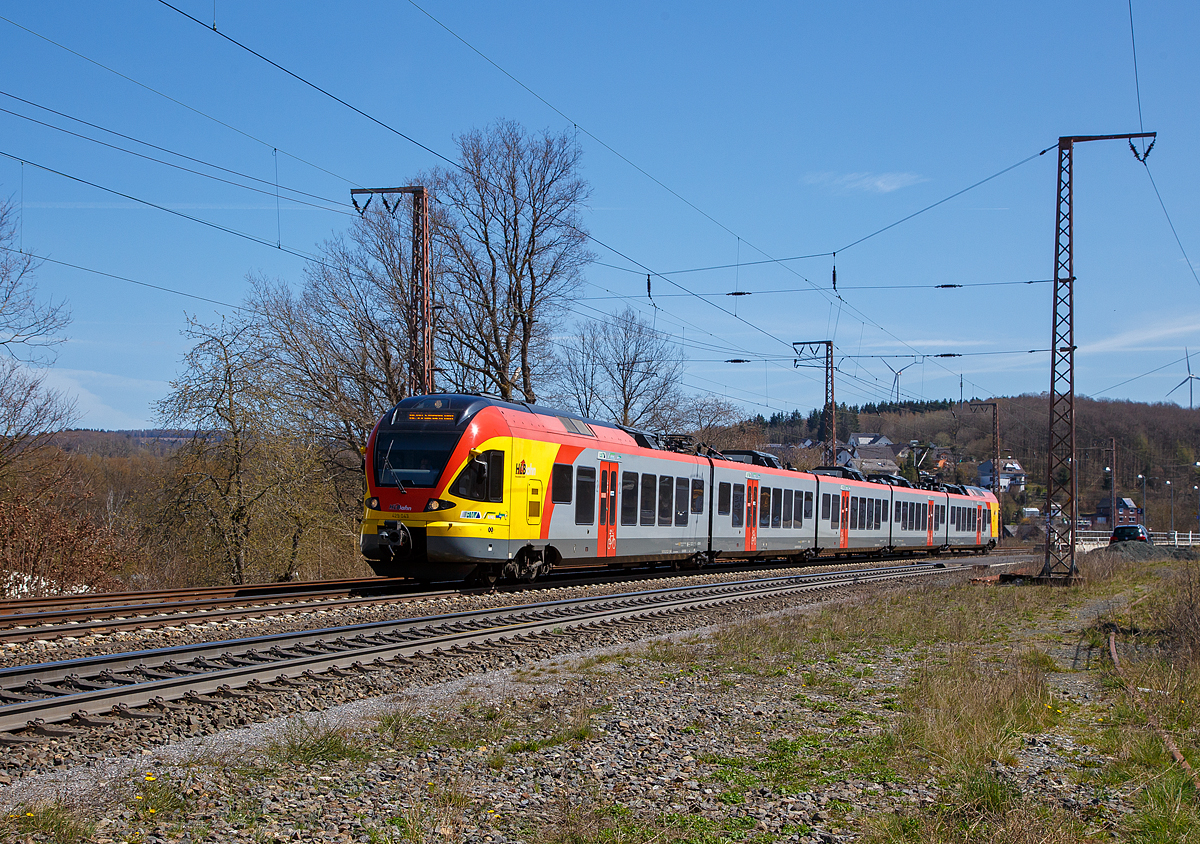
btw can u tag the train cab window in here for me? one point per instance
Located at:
(666, 499)
(723, 499)
(649, 483)
(798, 521)
(787, 507)
(854, 512)
(738, 507)
(629, 498)
(560, 483)
(482, 479)
(585, 495)
(808, 505)
(697, 496)
(681, 501)
(825, 506)
(764, 506)
(776, 508)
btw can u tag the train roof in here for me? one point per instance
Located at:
(460, 408)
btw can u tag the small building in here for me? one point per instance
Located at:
(1127, 513)
(857, 440)
(875, 460)
(1012, 475)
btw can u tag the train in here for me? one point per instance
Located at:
(471, 487)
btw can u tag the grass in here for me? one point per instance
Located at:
(302, 742)
(55, 822)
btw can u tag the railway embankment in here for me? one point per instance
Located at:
(947, 711)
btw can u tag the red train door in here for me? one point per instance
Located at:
(845, 519)
(929, 523)
(751, 514)
(606, 546)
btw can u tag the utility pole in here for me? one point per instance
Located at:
(420, 335)
(1061, 490)
(995, 406)
(809, 354)
(1112, 492)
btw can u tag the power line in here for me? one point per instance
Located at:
(203, 222)
(82, 268)
(857, 287)
(181, 167)
(179, 103)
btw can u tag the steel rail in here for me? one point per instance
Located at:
(209, 670)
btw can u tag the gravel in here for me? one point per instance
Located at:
(525, 743)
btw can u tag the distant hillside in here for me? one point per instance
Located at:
(121, 443)
(1160, 441)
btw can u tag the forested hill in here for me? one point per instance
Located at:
(1159, 441)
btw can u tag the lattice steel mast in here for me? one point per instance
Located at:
(1061, 503)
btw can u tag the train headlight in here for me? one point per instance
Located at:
(372, 503)
(438, 504)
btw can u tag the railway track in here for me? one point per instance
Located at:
(24, 620)
(95, 691)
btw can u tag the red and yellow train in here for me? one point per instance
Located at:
(468, 487)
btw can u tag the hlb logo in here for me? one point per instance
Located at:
(525, 469)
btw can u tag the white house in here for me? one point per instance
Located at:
(1012, 475)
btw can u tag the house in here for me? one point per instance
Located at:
(857, 440)
(875, 460)
(1012, 475)
(1127, 513)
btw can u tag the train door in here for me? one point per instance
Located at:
(533, 497)
(929, 514)
(606, 544)
(845, 519)
(751, 514)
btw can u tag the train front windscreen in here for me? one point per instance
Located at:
(413, 458)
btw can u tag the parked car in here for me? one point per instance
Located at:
(1130, 533)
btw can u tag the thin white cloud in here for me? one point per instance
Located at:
(1138, 339)
(864, 182)
(93, 391)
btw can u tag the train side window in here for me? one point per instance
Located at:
(865, 508)
(924, 516)
(738, 510)
(648, 500)
(824, 506)
(560, 483)
(854, 512)
(787, 507)
(906, 521)
(764, 506)
(896, 511)
(835, 512)
(776, 507)
(808, 505)
(666, 499)
(884, 510)
(723, 490)
(697, 496)
(878, 512)
(585, 495)
(799, 511)
(681, 501)
(629, 498)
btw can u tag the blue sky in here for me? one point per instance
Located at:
(793, 128)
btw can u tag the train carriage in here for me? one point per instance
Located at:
(463, 486)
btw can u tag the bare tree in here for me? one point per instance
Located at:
(244, 468)
(30, 412)
(508, 222)
(341, 346)
(29, 328)
(624, 370)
